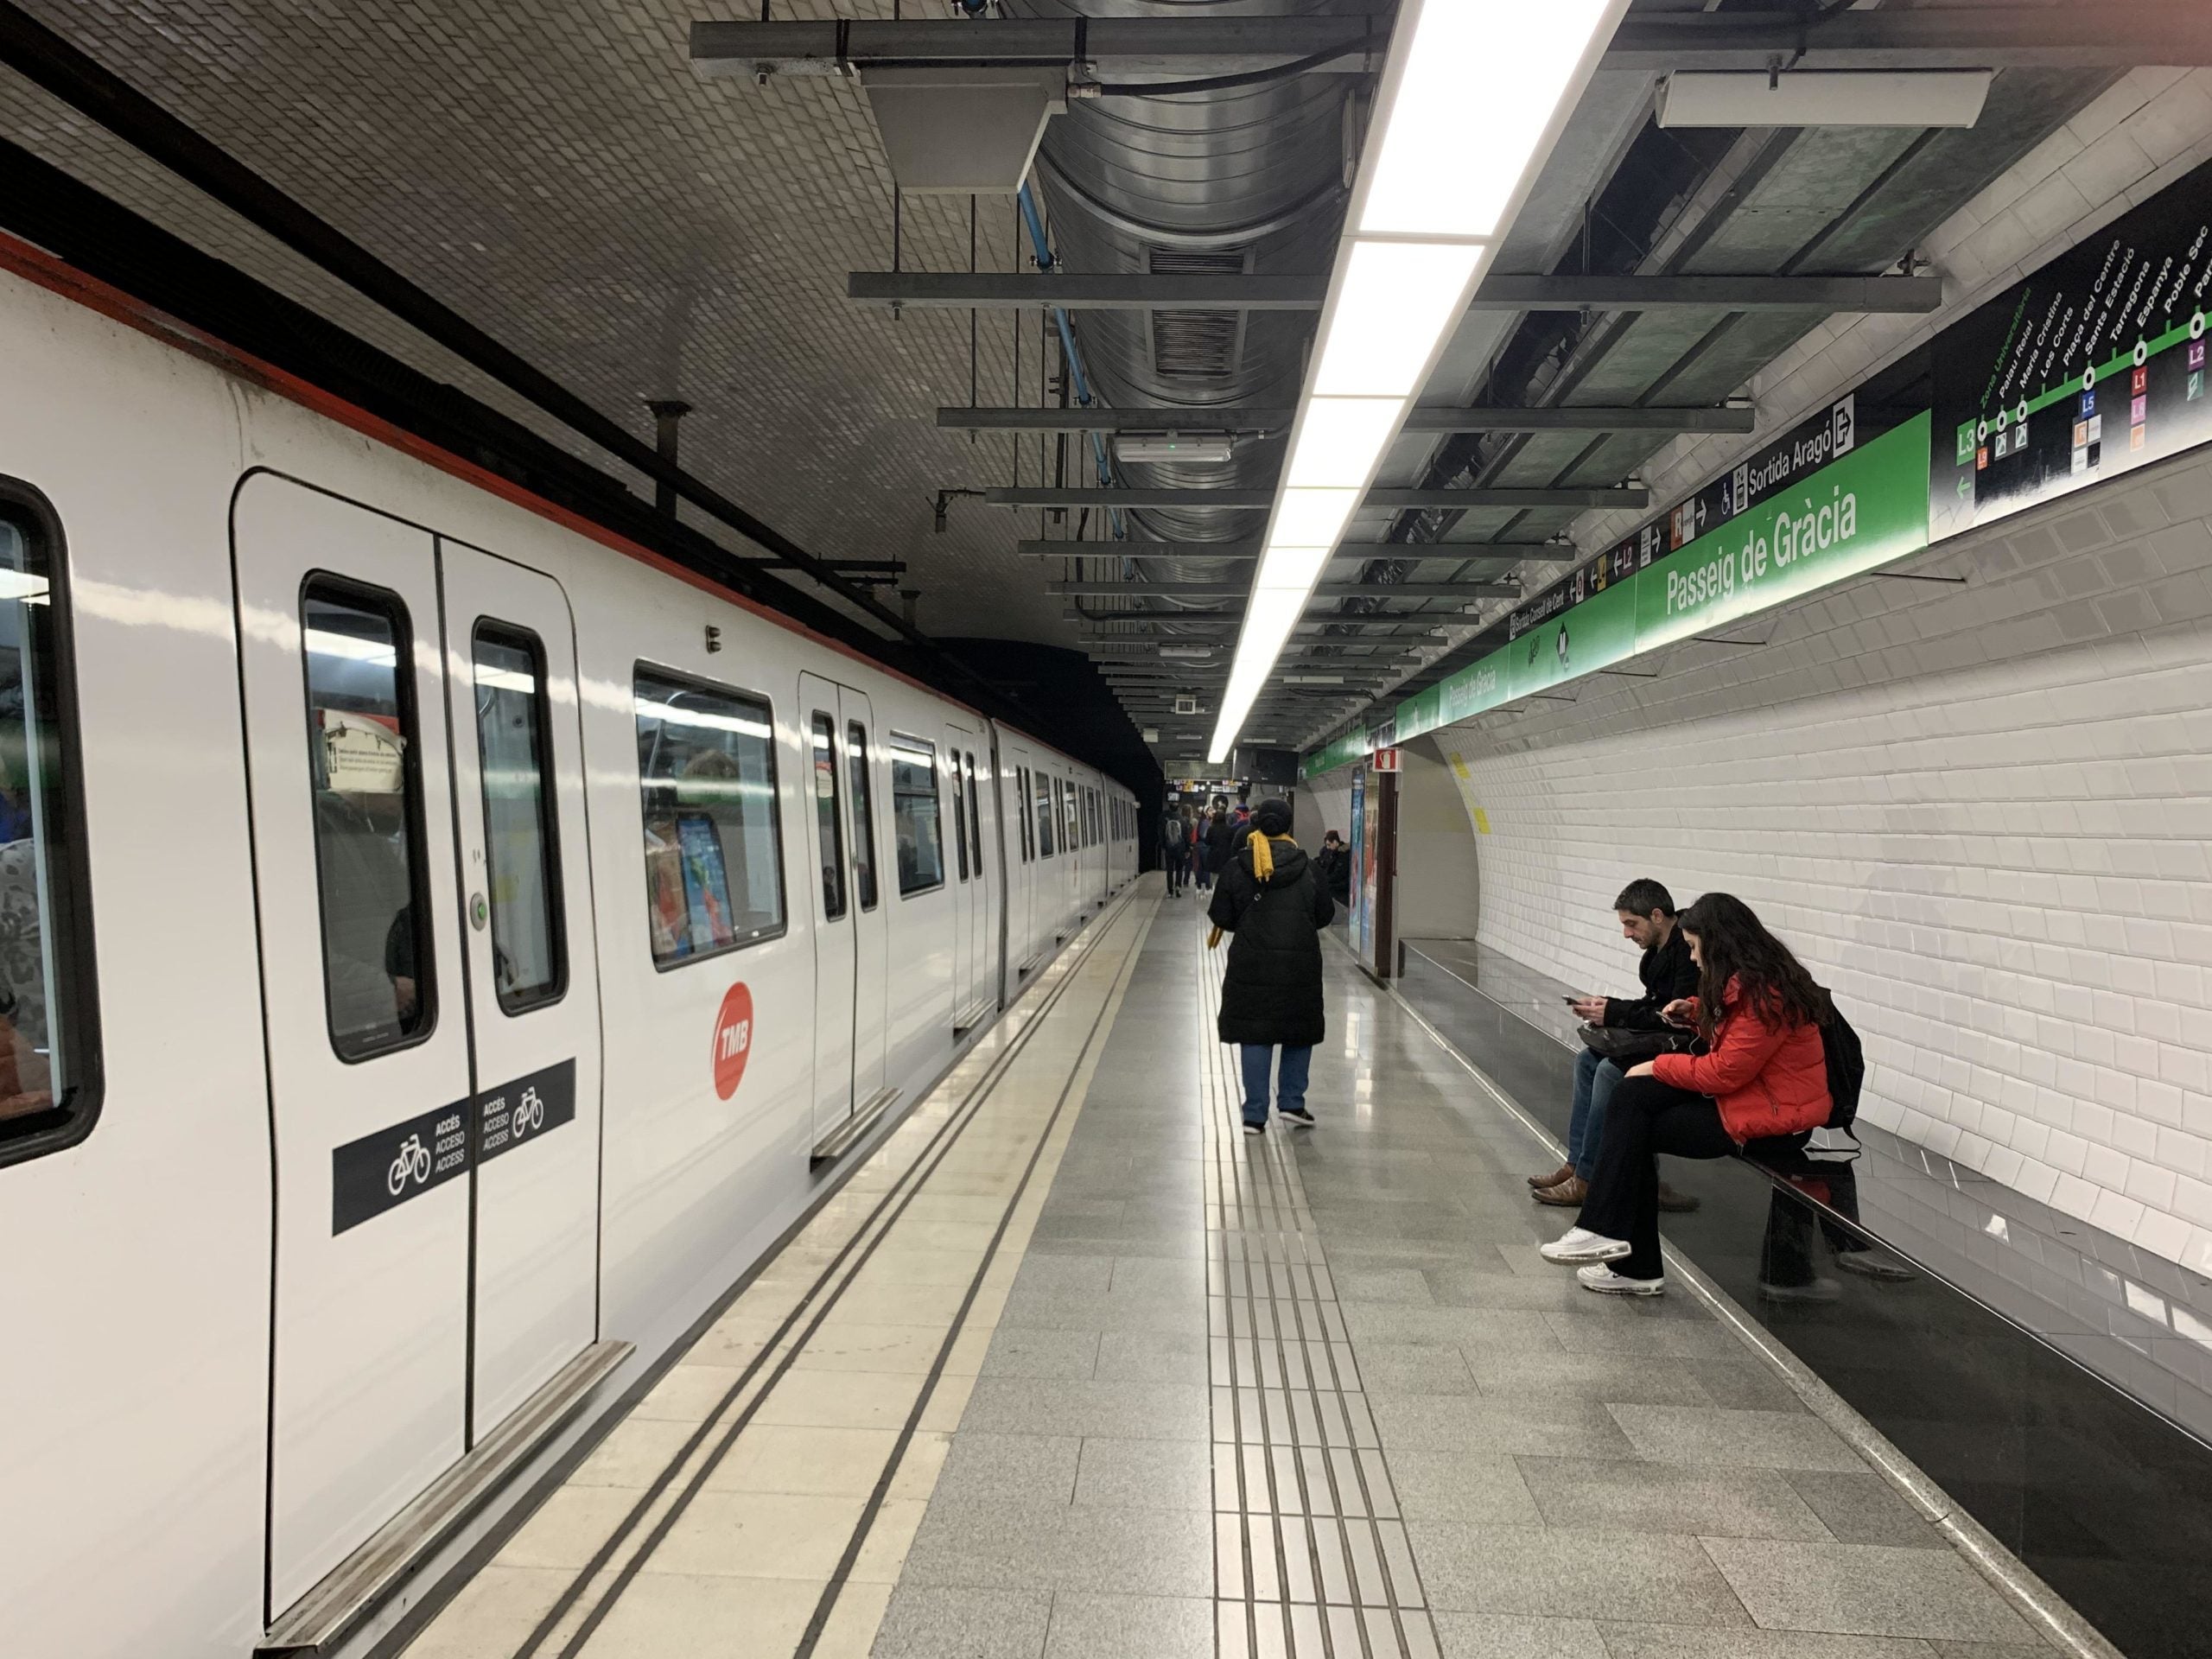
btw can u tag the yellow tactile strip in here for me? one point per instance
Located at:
(771, 1481)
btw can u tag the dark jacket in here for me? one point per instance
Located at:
(1668, 973)
(1220, 834)
(1272, 992)
(1336, 871)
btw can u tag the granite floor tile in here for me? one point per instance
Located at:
(1065, 1272)
(1120, 1627)
(1553, 1374)
(1449, 1422)
(1756, 1439)
(1010, 1545)
(1152, 1357)
(1504, 1636)
(1865, 1590)
(1413, 1368)
(1462, 1483)
(1683, 1642)
(1029, 1468)
(1145, 1474)
(1623, 1495)
(1556, 1573)
(1864, 1509)
(1457, 1326)
(1026, 1350)
(1117, 1410)
(1679, 1338)
(1744, 1384)
(925, 1622)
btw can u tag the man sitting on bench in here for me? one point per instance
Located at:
(1647, 918)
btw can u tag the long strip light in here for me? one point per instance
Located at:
(1472, 97)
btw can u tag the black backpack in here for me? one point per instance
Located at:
(1846, 1064)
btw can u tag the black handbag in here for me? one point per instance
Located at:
(1625, 1046)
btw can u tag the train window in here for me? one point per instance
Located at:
(914, 814)
(829, 833)
(1044, 816)
(529, 957)
(380, 986)
(706, 788)
(1070, 830)
(864, 814)
(959, 813)
(1021, 811)
(975, 814)
(49, 1041)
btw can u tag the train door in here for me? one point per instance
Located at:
(403, 1168)
(963, 887)
(532, 974)
(982, 975)
(850, 948)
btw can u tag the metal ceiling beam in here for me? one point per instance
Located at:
(1169, 418)
(1331, 590)
(1634, 495)
(1271, 291)
(1176, 48)
(2115, 34)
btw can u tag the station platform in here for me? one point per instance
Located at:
(1072, 1367)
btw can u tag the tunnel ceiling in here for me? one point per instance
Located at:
(563, 177)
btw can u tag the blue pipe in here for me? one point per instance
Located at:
(1077, 379)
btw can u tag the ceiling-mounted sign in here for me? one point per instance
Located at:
(2089, 368)
(1384, 760)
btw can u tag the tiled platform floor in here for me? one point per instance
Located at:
(1121, 1382)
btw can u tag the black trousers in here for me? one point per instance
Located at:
(1644, 1117)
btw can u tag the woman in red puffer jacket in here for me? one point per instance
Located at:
(1763, 1077)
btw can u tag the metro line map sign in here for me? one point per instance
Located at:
(2092, 367)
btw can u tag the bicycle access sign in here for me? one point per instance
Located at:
(383, 1171)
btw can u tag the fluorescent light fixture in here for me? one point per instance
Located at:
(1480, 83)
(1340, 438)
(1175, 446)
(1825, 98)
(1293, 568)
(1473, 95)
(1312, 517)
(1394, 303)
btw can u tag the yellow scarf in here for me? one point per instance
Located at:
(1263, 867)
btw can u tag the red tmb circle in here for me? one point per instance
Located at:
(733, 1040)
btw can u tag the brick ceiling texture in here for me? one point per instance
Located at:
(554, 170)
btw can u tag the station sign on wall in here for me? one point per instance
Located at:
(2092, 367)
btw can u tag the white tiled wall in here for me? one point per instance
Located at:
(1982, 812)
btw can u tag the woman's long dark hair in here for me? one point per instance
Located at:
(1733, 945)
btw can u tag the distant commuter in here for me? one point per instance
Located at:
(1271, 899)
(1175, 849)
(1217, 844)
(1764, 1079)
(1646, 911)
(1336, 867)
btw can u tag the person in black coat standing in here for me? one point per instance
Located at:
(1271, 899)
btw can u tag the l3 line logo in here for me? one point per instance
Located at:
(383, 1171)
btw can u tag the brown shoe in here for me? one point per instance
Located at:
(1564, 1172)
(1678, 1203)
(1568, 1194)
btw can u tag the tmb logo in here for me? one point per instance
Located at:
(733, 1040)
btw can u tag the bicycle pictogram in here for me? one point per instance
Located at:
(529, 1114)
(412, 1163)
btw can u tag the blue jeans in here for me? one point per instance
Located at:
(1259, 1059)
(1594, 1080)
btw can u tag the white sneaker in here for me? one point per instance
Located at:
(1603, 1280)
(1581, 1244)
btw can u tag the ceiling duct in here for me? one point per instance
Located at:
(1197, 345)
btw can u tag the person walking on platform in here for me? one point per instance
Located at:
(1762, 1079)
(1175, 849)
(1646, 911)
(1271, 899)
(1214, 845)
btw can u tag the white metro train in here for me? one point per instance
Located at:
(438, 940)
